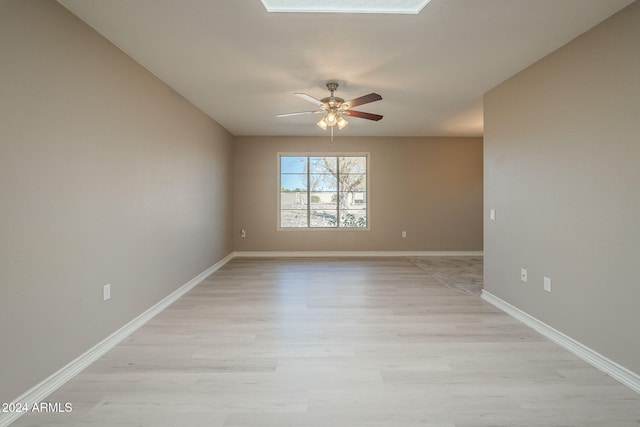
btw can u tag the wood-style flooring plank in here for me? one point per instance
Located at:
(339, 342)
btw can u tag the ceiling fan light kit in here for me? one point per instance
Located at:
(334, 108)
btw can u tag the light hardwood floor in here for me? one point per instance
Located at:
(337, 342)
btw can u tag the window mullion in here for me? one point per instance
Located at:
(308, 192)
(338, 192)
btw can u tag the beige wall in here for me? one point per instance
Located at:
(562, 170)
(430, 187)
(106, 176)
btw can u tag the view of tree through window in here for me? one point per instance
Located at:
(323, 191)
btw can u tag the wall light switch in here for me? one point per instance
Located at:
(547, 284)
(492, 214)
(523, 274)
(106, 292)
(404, 234)
(243, 233)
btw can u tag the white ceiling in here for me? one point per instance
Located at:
(241, 65)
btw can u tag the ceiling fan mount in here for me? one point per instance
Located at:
(332, 86)
(334, 108)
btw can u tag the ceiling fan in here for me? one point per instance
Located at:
(334, 108)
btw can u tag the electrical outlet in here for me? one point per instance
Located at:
(547, 284)
(404, 234)
(106, 292)
(523, 274)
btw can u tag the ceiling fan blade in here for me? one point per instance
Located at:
(360, 114)
(308, 98)
(298, 113)
(365, 99)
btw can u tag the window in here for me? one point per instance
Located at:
(323, 191)
(341, 6)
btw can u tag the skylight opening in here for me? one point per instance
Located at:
(408, 7)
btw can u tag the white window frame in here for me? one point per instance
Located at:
(323, 154)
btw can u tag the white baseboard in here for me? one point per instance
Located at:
(360, 254)
(609, 367)
(39, 392)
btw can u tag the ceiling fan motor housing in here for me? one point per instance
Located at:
(331, 101)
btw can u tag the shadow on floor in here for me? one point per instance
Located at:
(459, 273)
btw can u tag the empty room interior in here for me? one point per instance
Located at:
(339, 213)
